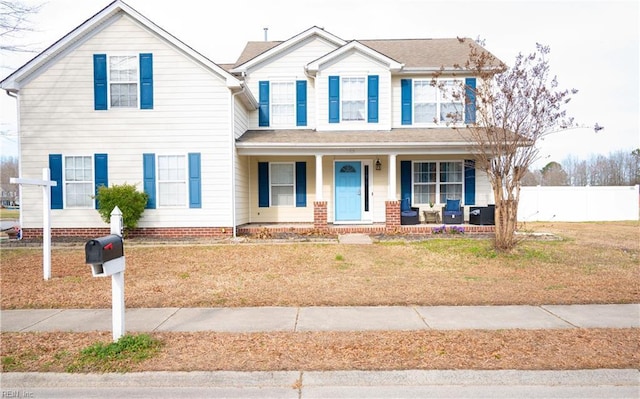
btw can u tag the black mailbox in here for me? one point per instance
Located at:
(103, 249)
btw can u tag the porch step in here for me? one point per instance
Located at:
(354, 238)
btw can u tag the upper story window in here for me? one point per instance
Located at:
(425, 101)
(78, 181)
(123, 81)
(354, 93)
(437, 102)
(283, 101)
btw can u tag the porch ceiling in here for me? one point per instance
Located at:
(396, 141)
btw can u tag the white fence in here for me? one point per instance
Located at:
(578, 204)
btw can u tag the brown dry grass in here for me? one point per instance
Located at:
(486, 350)
(593, 263)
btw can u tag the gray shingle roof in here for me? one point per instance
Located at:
(413, 53)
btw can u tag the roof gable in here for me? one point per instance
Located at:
(257, 52)
(94, 25)
(354, 46)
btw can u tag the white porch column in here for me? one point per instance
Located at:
(391, 193)
(319, 178)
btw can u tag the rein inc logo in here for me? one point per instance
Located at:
(17, 394)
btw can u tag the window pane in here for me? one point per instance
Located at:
(282, 173)
(424, 193)
(123, 69)
(282, 195)
(450, 191)
(353, 99)
(450, 112)
(283, 103)
(451, 172)
(424, 172)
(172, 194)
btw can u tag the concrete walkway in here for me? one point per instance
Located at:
(301, 319)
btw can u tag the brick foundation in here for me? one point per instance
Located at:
(154, 232)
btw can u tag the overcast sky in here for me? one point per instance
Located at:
(595, 45)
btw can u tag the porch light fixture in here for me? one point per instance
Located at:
(378, 164)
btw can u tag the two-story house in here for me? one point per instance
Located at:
(312, 130)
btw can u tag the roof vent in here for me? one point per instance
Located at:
(265, 33)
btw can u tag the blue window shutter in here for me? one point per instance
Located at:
(146, 81)
(405, 180)
(55, 166)
(195, 185)
(334, 99)
(301, 184)
(101, 172)
(470, 100)
(263, 184)
(99, 82)
(263, 103)
(406, 100)
(301, 103)
(469, 182)
(372, 94)
(149, 178)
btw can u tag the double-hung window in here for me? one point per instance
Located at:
(172, 180)
(437, 101)
(437, 180)
(78, 181)
(283, 98)
(282, 184)
(354, 95)
(123, 81)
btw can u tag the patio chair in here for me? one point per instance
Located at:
(409, 214)
(452, 213)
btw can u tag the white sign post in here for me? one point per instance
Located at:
(117, 282)
(46, 183)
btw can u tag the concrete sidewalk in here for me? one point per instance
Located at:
(301, 319)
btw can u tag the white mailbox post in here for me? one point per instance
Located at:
(106, 257)
(46, 183)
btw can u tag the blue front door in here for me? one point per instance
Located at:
(348, 191)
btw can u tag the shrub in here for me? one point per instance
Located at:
(130, 201)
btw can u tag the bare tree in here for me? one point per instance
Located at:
(515, 108)
(14, 20)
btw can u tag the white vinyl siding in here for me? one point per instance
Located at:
(192, 113)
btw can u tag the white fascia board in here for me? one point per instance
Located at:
(393, 65)
(288, 44)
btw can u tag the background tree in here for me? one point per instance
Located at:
(515, 108)
(15, 19)
(8, 169)
(554, 175)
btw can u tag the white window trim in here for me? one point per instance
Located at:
(293, 185)
(364, 99)
(437, 183)
(439, 100)
(137, 81)
(185, 181)
(65, 182)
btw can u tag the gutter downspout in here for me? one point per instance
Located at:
(232, 123)
(13, 93)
